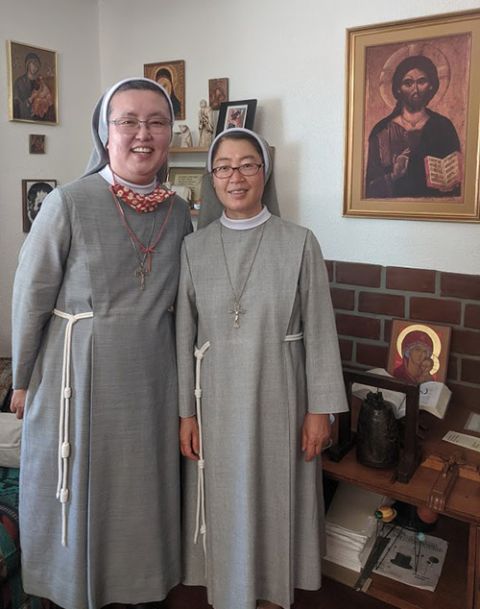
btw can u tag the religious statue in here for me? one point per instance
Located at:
(205, 124)
(185, 136)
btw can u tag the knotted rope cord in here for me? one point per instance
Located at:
(200, 520)
(64, 447)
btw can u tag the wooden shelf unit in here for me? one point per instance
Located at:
(458, 587)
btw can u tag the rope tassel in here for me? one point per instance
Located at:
(200, 519)
(64, 446)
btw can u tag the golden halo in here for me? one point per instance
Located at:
(437, 344)
(420, 47)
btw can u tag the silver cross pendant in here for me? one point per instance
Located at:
(236, 312)
(140, 273)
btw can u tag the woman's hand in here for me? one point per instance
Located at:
(189, 438)
(315, 434)
(17, 403)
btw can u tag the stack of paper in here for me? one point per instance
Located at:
(351, 524)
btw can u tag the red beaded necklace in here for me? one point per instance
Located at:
(143, 252)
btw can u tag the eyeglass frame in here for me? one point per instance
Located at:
(117, 121)
(238, 168)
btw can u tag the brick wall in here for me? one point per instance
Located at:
(366, 297)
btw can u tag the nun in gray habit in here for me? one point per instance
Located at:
(94, 351)
(254, 310)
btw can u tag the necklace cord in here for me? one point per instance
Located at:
(138, 246)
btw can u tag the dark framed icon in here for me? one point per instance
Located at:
(33, 194)
(236, 114)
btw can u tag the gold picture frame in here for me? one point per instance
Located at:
(171, 75)
(425, 70)
(32, 84)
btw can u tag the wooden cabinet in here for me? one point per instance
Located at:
(459, 524)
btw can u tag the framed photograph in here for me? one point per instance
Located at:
(32, 84)
(171, 75)
(33, 193)
(217, 92)
(413, 108)
(189, 177)
(418, 352)
(236, 114)
(36, 143)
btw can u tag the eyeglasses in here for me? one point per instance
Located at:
(247, 169)
(131, 125)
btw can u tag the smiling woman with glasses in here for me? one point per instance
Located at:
(92, 327)
(254, 311)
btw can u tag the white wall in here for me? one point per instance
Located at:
(290, 55)
(69, 27)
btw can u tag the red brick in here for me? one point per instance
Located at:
(383, 304)
(330, 269)
(410, 280)
(461, 286)
(464, 395)
(343, 299)
(355, 325)
(374, 356)
(453, 367)
(472, 316)
(471, 371)
(368, 275)
(466, 342)
(387, 330)
(436, 309)
(346, 349)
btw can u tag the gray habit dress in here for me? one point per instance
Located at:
(264, 504)
(122, 522)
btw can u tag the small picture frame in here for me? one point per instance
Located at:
(190, 177)
(33, 194)
(418, 351)
(171, 75)
(36, 143)
(234, 114)
(32, 84)
(217, 92)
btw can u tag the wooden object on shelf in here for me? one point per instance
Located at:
(443, 486)
(465, 470)
(411, 453)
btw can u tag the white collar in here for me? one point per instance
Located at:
(245, 223)
(142, 189)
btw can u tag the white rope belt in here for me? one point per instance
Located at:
(290, 338)
(200, 520)
(64, 448)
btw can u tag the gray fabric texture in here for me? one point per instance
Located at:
(123, 532)
(264, 503)
(211, 207)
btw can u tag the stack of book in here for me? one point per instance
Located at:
(351, 525)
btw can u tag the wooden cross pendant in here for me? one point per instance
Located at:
(140, 273)
(236, 312)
